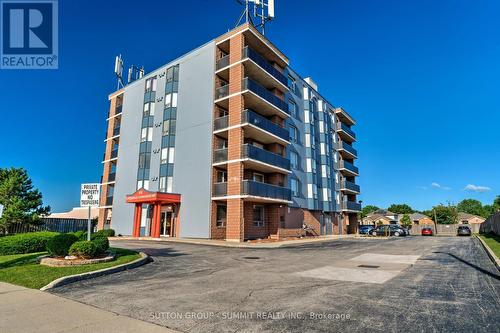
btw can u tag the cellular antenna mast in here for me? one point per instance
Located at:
(262, 9)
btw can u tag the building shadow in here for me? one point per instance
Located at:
(482, 270)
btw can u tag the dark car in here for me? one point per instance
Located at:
(365, 229)
(389, 230)
(427, 232)
(463, 230)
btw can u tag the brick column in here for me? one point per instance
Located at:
(235, 220)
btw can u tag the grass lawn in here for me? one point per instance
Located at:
(23, 270)
(493, 242)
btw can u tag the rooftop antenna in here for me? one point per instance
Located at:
(119, 71)
(263, 9)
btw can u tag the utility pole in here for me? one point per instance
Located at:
(435, 220)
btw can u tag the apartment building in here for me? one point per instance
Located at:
(228, 142)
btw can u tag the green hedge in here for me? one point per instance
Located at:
(59, 245)
(26, 243)
(105, 233)
(83, 249)
(101, 243)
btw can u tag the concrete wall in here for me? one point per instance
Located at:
(193, 145)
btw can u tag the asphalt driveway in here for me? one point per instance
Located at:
(401, 284)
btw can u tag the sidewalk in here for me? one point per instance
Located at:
(252, 245)
(29, 310)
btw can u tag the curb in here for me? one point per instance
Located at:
(275, 245)
(144, 259)
(490, 253)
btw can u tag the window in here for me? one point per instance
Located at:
(309, 190)
(169, 184)
(292, 107)
(291, 83)
(323, 171)
(163, 184)
(258, 177)
(309, 165)
(258, 216)
(325, 194)
(168, 100)
(294, 160)
(164, 155)
(308, 140)
(151, 84)
(171, 155)
(322, 148)
(294, 185)
(166, 127)
(321, 126)
(221, 176)
(147, 134)
(221, 216)
(294, 134)
(306, 116)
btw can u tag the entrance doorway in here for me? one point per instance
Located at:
(166, 219)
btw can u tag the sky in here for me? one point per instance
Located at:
(421, 78)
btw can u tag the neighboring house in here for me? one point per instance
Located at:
(378, 218)
(77, 213)
(465, 218)
(417, 219)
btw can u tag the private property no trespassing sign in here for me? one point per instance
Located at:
(89, 195)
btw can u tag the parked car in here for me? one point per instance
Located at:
(463, 230)
(389, 230)
(365, 229)
(427, 232)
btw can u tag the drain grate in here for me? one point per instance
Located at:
(368, 266)
(253, 258)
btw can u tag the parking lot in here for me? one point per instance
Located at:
(397, 284)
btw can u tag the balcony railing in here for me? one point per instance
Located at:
(255, 153)
(109, 201)
(349, 166)
(116, 130)
(111, 177)
(347, 147)
(222, 62)
(262, 62)
(251, 117)
(265, 94)
(220, 155)
(351, 205)
(345, 184)
(345, 128)
(222, 92)
(118, 109)
(221, 123)
(114, 153)
(220, 189)
(250, 187)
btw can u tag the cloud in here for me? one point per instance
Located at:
(422, 187)
(439, 186)
(476, 188)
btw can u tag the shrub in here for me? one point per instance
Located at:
(81, 235)
(104, 233)
(83, 249)
(101, 243)
(25, 243)
(59, 245)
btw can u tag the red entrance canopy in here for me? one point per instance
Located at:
(144, 196)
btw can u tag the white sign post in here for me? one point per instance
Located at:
(89, 197)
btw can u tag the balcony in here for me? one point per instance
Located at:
(248, 53)
(346, 132)
(257, 189)
(347, 150)
(221, 123)
(344, 116)
(265, 156)
(220, 155)
(116, 131)
(222, 92)
(348, 186)
(109, 201)
(118, 109)
(220, 189)
(222, 62)
(279, 106)
(348, 168)
(114, 153)
(254, 119)
(350, 206)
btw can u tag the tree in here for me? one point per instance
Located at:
(368, 209)
(22, 202)
(406, 221)
(445, 214)
(400, 209)
(472, 206)
(496, 204)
